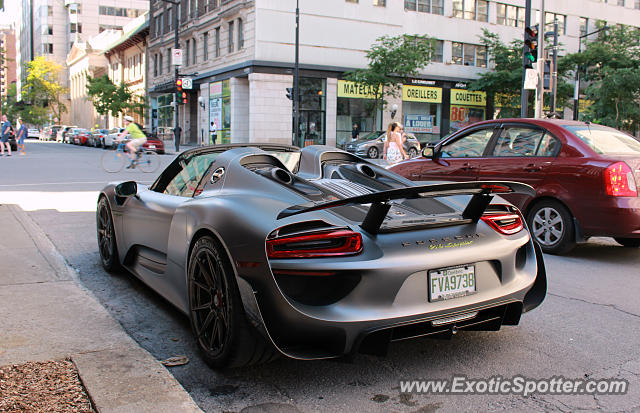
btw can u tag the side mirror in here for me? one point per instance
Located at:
(429, 151)
(126, 189)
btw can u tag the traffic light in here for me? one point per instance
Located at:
(290, 93)
(179, 85)
(531, 43)
(184, 97)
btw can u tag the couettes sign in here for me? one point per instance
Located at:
(347, 89)
(468, 98)
(421, 94)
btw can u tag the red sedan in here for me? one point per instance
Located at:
(585, 175)
(154, 144)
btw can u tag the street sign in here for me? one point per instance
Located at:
(187, 83)
(176, 55)
(531, 79)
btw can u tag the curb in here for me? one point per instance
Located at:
(123, 379)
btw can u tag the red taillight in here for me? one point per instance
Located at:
(506, 223)
(619, 180)
(316, 245)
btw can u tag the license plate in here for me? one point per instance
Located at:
(152, 146)
(454, 282)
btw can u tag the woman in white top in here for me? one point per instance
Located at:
(393, 149)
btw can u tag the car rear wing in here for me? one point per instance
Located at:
(482, 192)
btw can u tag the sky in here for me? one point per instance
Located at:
(10, 11)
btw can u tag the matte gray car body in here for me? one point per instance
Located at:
(375, 297)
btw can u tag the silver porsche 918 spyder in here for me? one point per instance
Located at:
(317, 253)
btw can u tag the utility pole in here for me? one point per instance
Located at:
(554, 68)
(540, 62)
(524, 93)
(296, 84)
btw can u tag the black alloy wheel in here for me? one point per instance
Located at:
(218, 321)
(106, 237)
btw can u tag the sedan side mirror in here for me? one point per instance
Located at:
(126, 189)
(429, 151)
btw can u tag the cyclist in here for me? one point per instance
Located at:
(138, 139)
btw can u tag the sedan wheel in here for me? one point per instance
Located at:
(106, 237)
(413, 152)
(217, 315)
(552, 227)
(373, 152)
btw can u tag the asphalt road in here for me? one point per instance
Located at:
(588, 326)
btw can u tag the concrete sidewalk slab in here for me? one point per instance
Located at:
(47, 314)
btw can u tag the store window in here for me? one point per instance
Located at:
(356, 105)
(422, 112)
(165, 116)
(220, 110)
(312, 111)
(467, 107)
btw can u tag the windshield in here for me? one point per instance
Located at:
(605, 140)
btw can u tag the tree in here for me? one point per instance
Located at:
(43, 90)
(610, 65)
(504, 82)
(107, 97)
(391, 61)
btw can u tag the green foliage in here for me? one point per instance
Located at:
(30, 114)
(107, 97)
(42, 89)
(504, 82)
(391, 61)
(610, 66)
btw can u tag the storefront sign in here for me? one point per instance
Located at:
(422, 82)
(421, 94)
(418, 123)
(347, 89)
(467, 97)
(215, 107)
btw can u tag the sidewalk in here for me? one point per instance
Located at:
(47, 315)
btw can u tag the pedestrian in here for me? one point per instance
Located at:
(393, 149)
(23, 132)
(214, 132)
(4, 135)
(355, 132)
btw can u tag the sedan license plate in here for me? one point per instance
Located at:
(454, 282)
(152, 146)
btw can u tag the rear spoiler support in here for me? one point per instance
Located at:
(381, 201)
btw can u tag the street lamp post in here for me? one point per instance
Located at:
(176, 97)
(296, 84)
(576, 91)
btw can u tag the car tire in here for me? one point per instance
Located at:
(373, 152)
(413, 152)
(551, 225)
(219, 324)
(107, 246)
(628, 242)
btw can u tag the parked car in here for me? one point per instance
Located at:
(96, 137)
(585, 175)
(371, 145)
(109, 138)
(154, 144)
(62, 134)
(79, 136)
(53, 133)
(315, 253)
(33, 133)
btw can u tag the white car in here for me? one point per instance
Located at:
(33, 133)
(111, 136)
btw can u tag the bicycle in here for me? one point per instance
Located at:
(112, 162)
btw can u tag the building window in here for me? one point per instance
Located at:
(205, 46)
(230, 37)
(212, 4)
(49, 10)
(75, 9)
(549, 19)
(186, 54)
(155, 65)
(48, 29)
(469, 54)
(217, 45)
(621, 3)
(509, 15)
(168, 61)
(471, 9)
(438, 55)
(351, 1)
(381, 3)
(584, 26)
(240, 34)
(636, 4)
(160, 65)
(169, 17)
(104, 27)
(157, 21)
(425, 6)
(47, 48)
(195, 52)
(75, 28)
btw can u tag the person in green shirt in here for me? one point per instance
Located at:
(138, 138)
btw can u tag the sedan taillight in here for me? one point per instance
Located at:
(619, 180)
(507, 223)
(341, 242)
